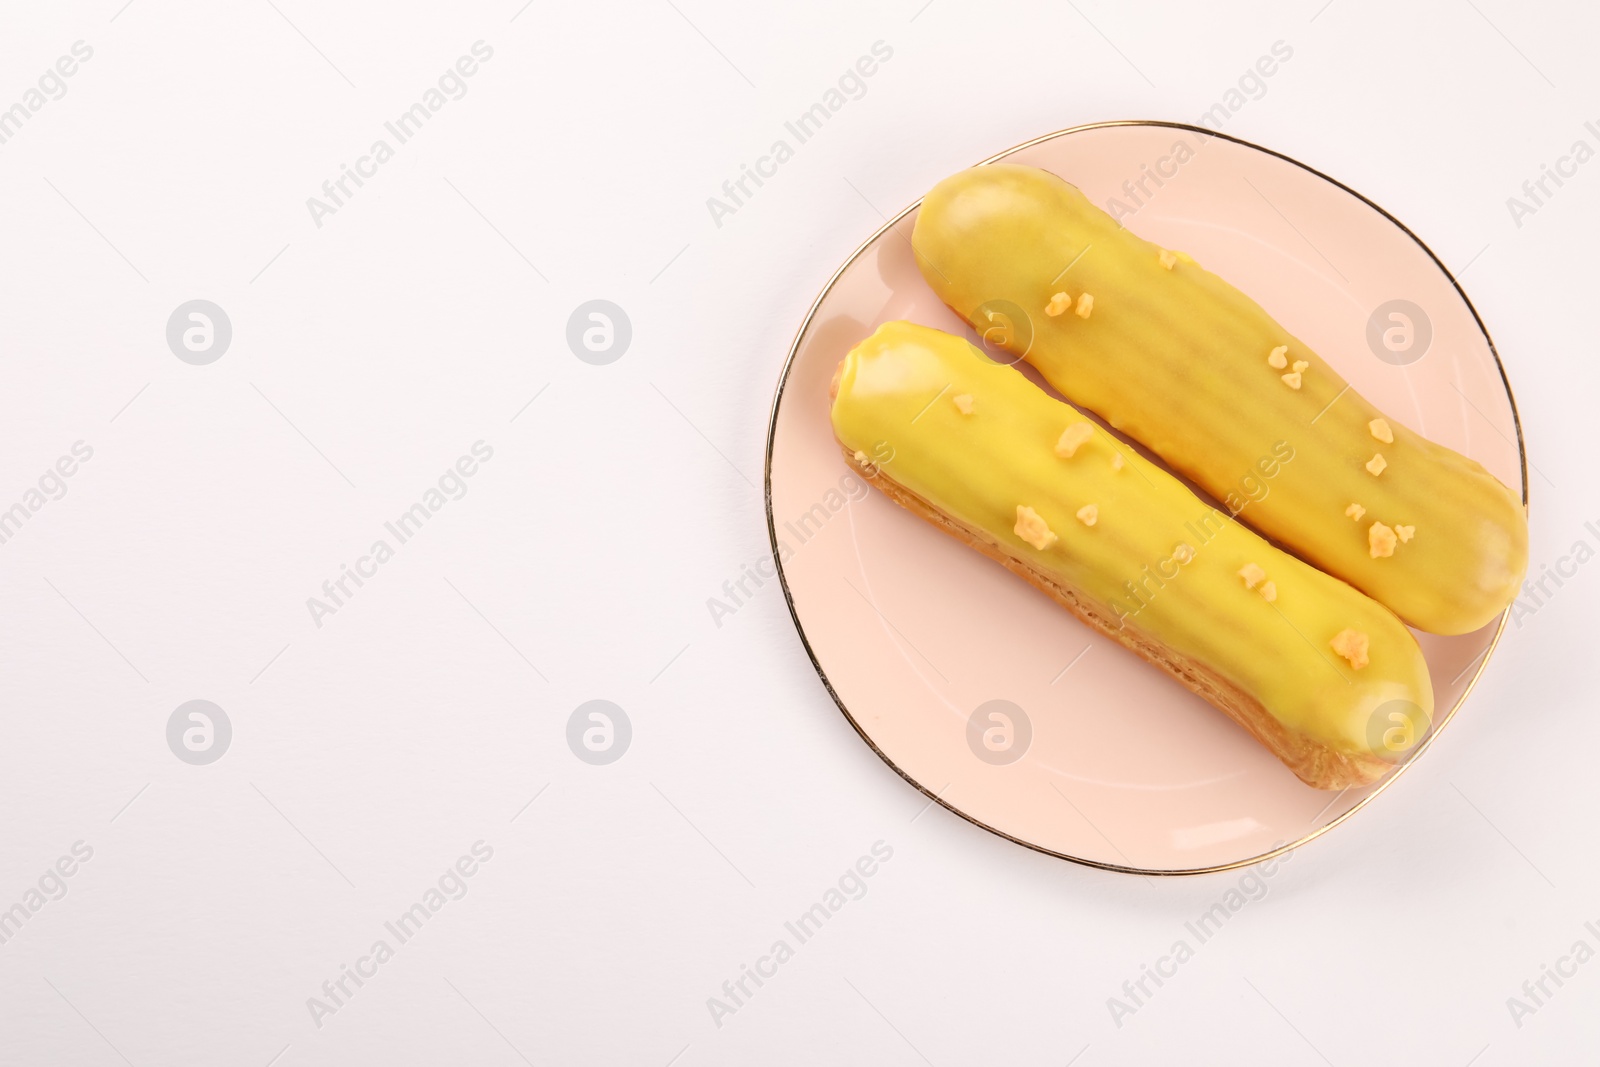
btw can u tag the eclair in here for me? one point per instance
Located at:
(1197, 372)
(1329, 680)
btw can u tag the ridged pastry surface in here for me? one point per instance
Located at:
(1199, 373)
(1050, 489)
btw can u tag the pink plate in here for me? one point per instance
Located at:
(982, 692)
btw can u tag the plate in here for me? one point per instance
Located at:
(978, 689)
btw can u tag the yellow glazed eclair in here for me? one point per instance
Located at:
(1328, 679)
(1200, 374)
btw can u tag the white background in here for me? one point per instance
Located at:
(369, 353)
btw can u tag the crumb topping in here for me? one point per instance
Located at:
(1278, 358)
(1089, 514)
(1033, 529)
(963, 403)
(1405, 533)
(1292, 379)
(1352, 645)
(1300, 366)
(1058, 303)
(1168, 260)
(1380, 540)
(1085, 305)
(1355, 511)
(1256, 578)
(1073, 438)
(1377, 464)
(1379, 428)
(860, 457)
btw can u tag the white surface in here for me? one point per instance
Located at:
(407, 727)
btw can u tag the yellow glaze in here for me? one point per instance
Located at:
(1193, 369)
(1157, 557)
